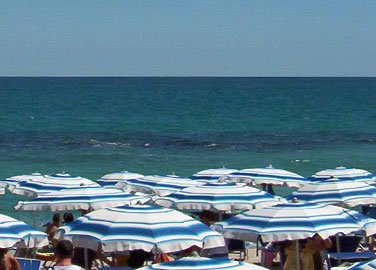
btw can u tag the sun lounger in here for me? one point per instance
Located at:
(29, 264)
(346, 256)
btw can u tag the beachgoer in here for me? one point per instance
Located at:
(52, 226)
(7, 261)
(310, 253)
(64, 253)
(207, 217)
(68, 217)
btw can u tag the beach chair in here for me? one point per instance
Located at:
(237, 247)
(348, 251)
(29, 264)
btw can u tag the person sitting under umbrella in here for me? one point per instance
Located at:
(310, 253)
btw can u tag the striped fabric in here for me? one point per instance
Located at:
(291, 221)
(157, 185)
(201, 263)
(343, 173)
(220, 196)
(143, 227)
(13, 231)
(51, 183)
(212, 174)
(80, 198)
(110, 180)
(367, 265)
(14, 180)
(268, 175)
(342, 193)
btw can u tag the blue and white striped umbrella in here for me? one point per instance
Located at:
(80, 198)
(343, 173)
(292, 221)
(220, 196)
(143, 227)
(367, 265)
(14, 232)
(110, 180)
(201, 263)
(212, 174)
(157, 185)
(268, 175)
(51, 183)
(342, 193)
(14, 180)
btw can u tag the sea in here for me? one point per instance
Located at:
(162, 125)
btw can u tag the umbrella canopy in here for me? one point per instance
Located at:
(268, 175)
(343, 193)
(13, 231)
(110, 180)
(157, 185)
(343, 173)
(143, 227)
(201, 263)
(212, 174)
(220, 196)
(367, 265)
(14, 180)
(51, 183)
(78, 199)
(291, 221)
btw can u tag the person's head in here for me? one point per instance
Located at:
(3, 251)
(68, 217)
(64, 249)
(56, 218)
(207, 217)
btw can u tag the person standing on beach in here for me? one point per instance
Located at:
(8, 262)
(64, 254)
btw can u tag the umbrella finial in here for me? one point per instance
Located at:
(294, 200)
(270, 166)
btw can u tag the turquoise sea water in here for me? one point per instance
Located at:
(94, 126)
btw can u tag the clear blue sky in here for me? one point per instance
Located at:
(187, 38)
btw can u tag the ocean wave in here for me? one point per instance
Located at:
(256, 142)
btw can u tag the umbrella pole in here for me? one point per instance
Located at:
(86, 259)
(220, 216)
(34, 219)
(297, 255)
(338, 247)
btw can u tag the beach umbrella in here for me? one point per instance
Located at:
(157, 185)
(202, 263)
(51, 183)
(14, 180)
(343, 173)
(269, 176)
(220, 196)
(292, 221)
(143, 227)
(212, 174)
(342, 193)
(14, 232)
(80, 199)
(110, 180)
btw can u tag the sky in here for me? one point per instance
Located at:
(187, 38)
